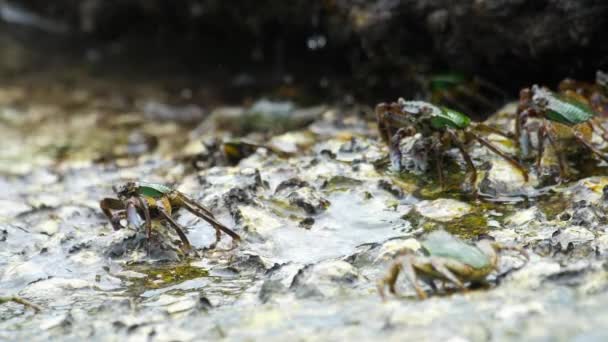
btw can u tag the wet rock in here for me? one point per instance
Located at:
(11, 208)
(257, 221)
(443, 209)
(300, 194)
(573, 235)
(588, 189)
(585, 215)
(390, 188)
(278, 280)
(503, 179)
(48, 227)
(292, 142)
(325, 279)
(526, 216)
(309, 200)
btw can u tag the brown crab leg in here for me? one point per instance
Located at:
(384, 129)
(494, 149)
(520, 250)
(466, 157)
(212, 221)
(178, 229)
(206, 215)
(595, 126)
(146, 209)
(541, 146)
(563, 166)
(385, 118)
(390, 279)
(193, 203)
(482, 126)
(410, 274)
(444, 269)
(108, 205)
(20, 301)
(590, 146)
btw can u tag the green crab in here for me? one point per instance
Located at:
(566, 109)
(444, 127)
(448, 259)
(21, 301)
(156, 201)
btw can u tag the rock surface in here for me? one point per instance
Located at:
(319, 228)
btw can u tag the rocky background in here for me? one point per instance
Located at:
(367, 49)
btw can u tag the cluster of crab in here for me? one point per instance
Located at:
(575, 107)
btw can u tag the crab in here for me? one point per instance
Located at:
(21, 301)
(445, 127)
(156, 201)
(567, 110)
(596, 94)
(448, 259)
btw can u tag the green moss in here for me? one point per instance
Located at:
(467, 226)
(166, 275)
(341, 183)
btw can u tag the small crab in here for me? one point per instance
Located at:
(596, 94)
(151, 200)
(445, 127)
(21, 301)
(566, 109)
(448, 259)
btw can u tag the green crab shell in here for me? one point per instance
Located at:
(153, 189)
(563, 110)
(442, 244)
(450, 118)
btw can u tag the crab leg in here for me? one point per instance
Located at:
(385, 118)
(20, 301)
(597, 126)
(520, 250)
(194, 204)
(206, 215)
(541, 146)
(524, 111)
(466, 157)
(443, 267)
(146, 209)
(482, 126)
(494, 149)
(590, 146)
(410, 274)
(107, 205)
(439, 163)
(390, 279)
(560, 156)
(178, 229)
